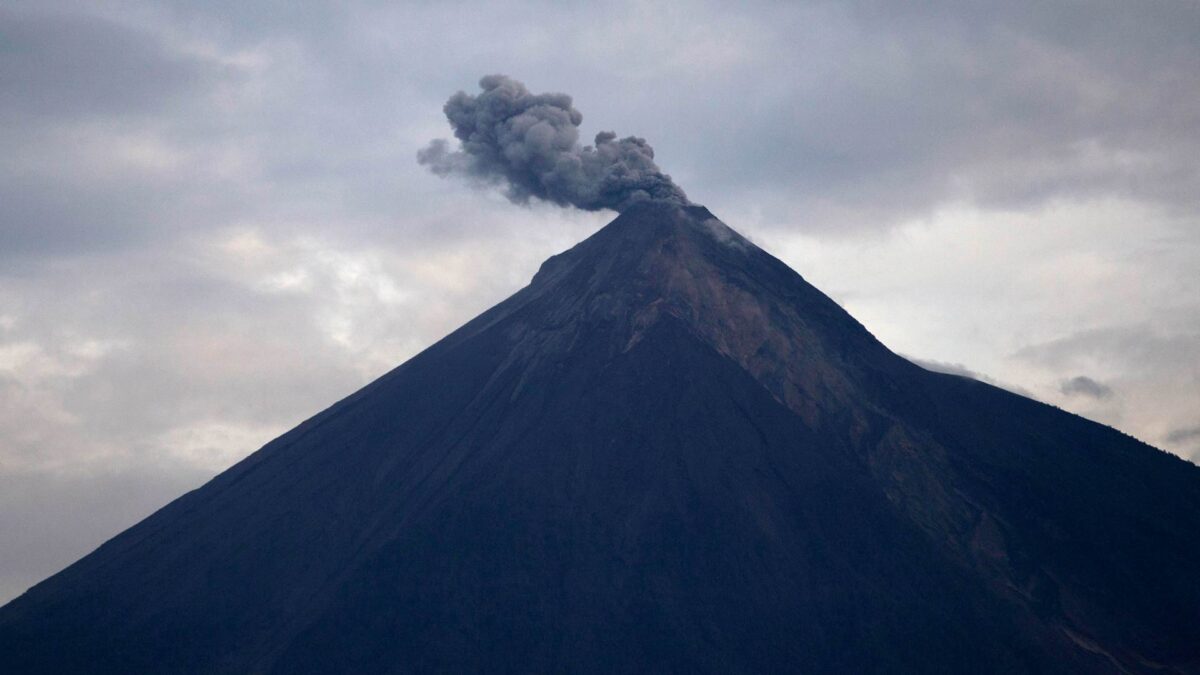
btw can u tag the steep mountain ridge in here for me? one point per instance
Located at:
(668, 452)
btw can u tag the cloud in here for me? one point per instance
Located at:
(1184, 441)
(1153, 364)
(963, 371)
(529, 143)
(1009, 108)
(57, 65)
(97, 122)
(1184, 435)
(1147, 344)
(949, 368)
(1082, 385)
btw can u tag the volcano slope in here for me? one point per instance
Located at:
(668, 453)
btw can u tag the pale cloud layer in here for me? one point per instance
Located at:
(212, 225)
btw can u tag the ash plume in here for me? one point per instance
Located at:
(529, 144)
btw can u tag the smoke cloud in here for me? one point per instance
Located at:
(529, 144)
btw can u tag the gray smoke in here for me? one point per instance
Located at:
(529, 143)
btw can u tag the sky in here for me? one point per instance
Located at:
(213, 224)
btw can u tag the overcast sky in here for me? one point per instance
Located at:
(212, 223)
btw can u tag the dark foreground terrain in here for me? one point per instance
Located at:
(669, 453)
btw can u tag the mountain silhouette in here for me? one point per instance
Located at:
(668, 453)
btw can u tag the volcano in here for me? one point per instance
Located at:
(668, 453)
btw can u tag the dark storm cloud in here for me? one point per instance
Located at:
(529, 143)
(1083, 385)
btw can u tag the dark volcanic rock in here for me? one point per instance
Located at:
(667, 453)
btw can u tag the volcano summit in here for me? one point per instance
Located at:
(667, 453)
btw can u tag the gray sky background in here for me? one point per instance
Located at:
(212, 223)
